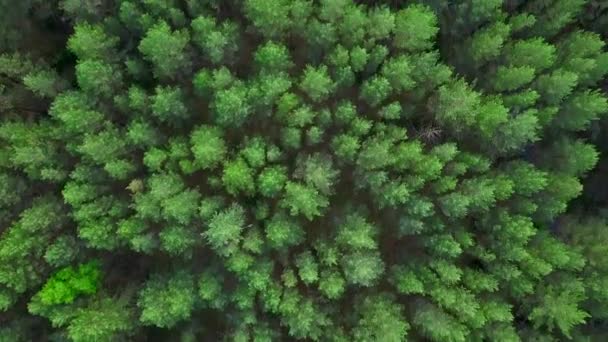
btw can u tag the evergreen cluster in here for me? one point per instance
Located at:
(327, 170)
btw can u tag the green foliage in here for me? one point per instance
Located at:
(272, 57)
(558, 307)
(303, 170)
(316, 83)
(307, 268)
(375, 90)
(415, 27)
(438, 325)
(165, 49)
(97, 77)
(317, 171)
(218, 42)
(91, 42)
(457, 105)
(302, 199)
(397, 72)
(487, 43)
(103, 320)
(69, 283)
(166, 300)
(238, 177)
(225, 228)
(511, 78)
(231, 106)
(44, 83)
(362, 268)
(582, 109)
(357, 233)
(167, 104)
(271, 180)
(282, 231)
(62, 251)
(270, 19)
(533, 52)
(332, 284)
(24, 243)
(380, 318)
(208, 146)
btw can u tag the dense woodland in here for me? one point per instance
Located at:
(327, 170)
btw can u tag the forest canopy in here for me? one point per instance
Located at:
(327, 170)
